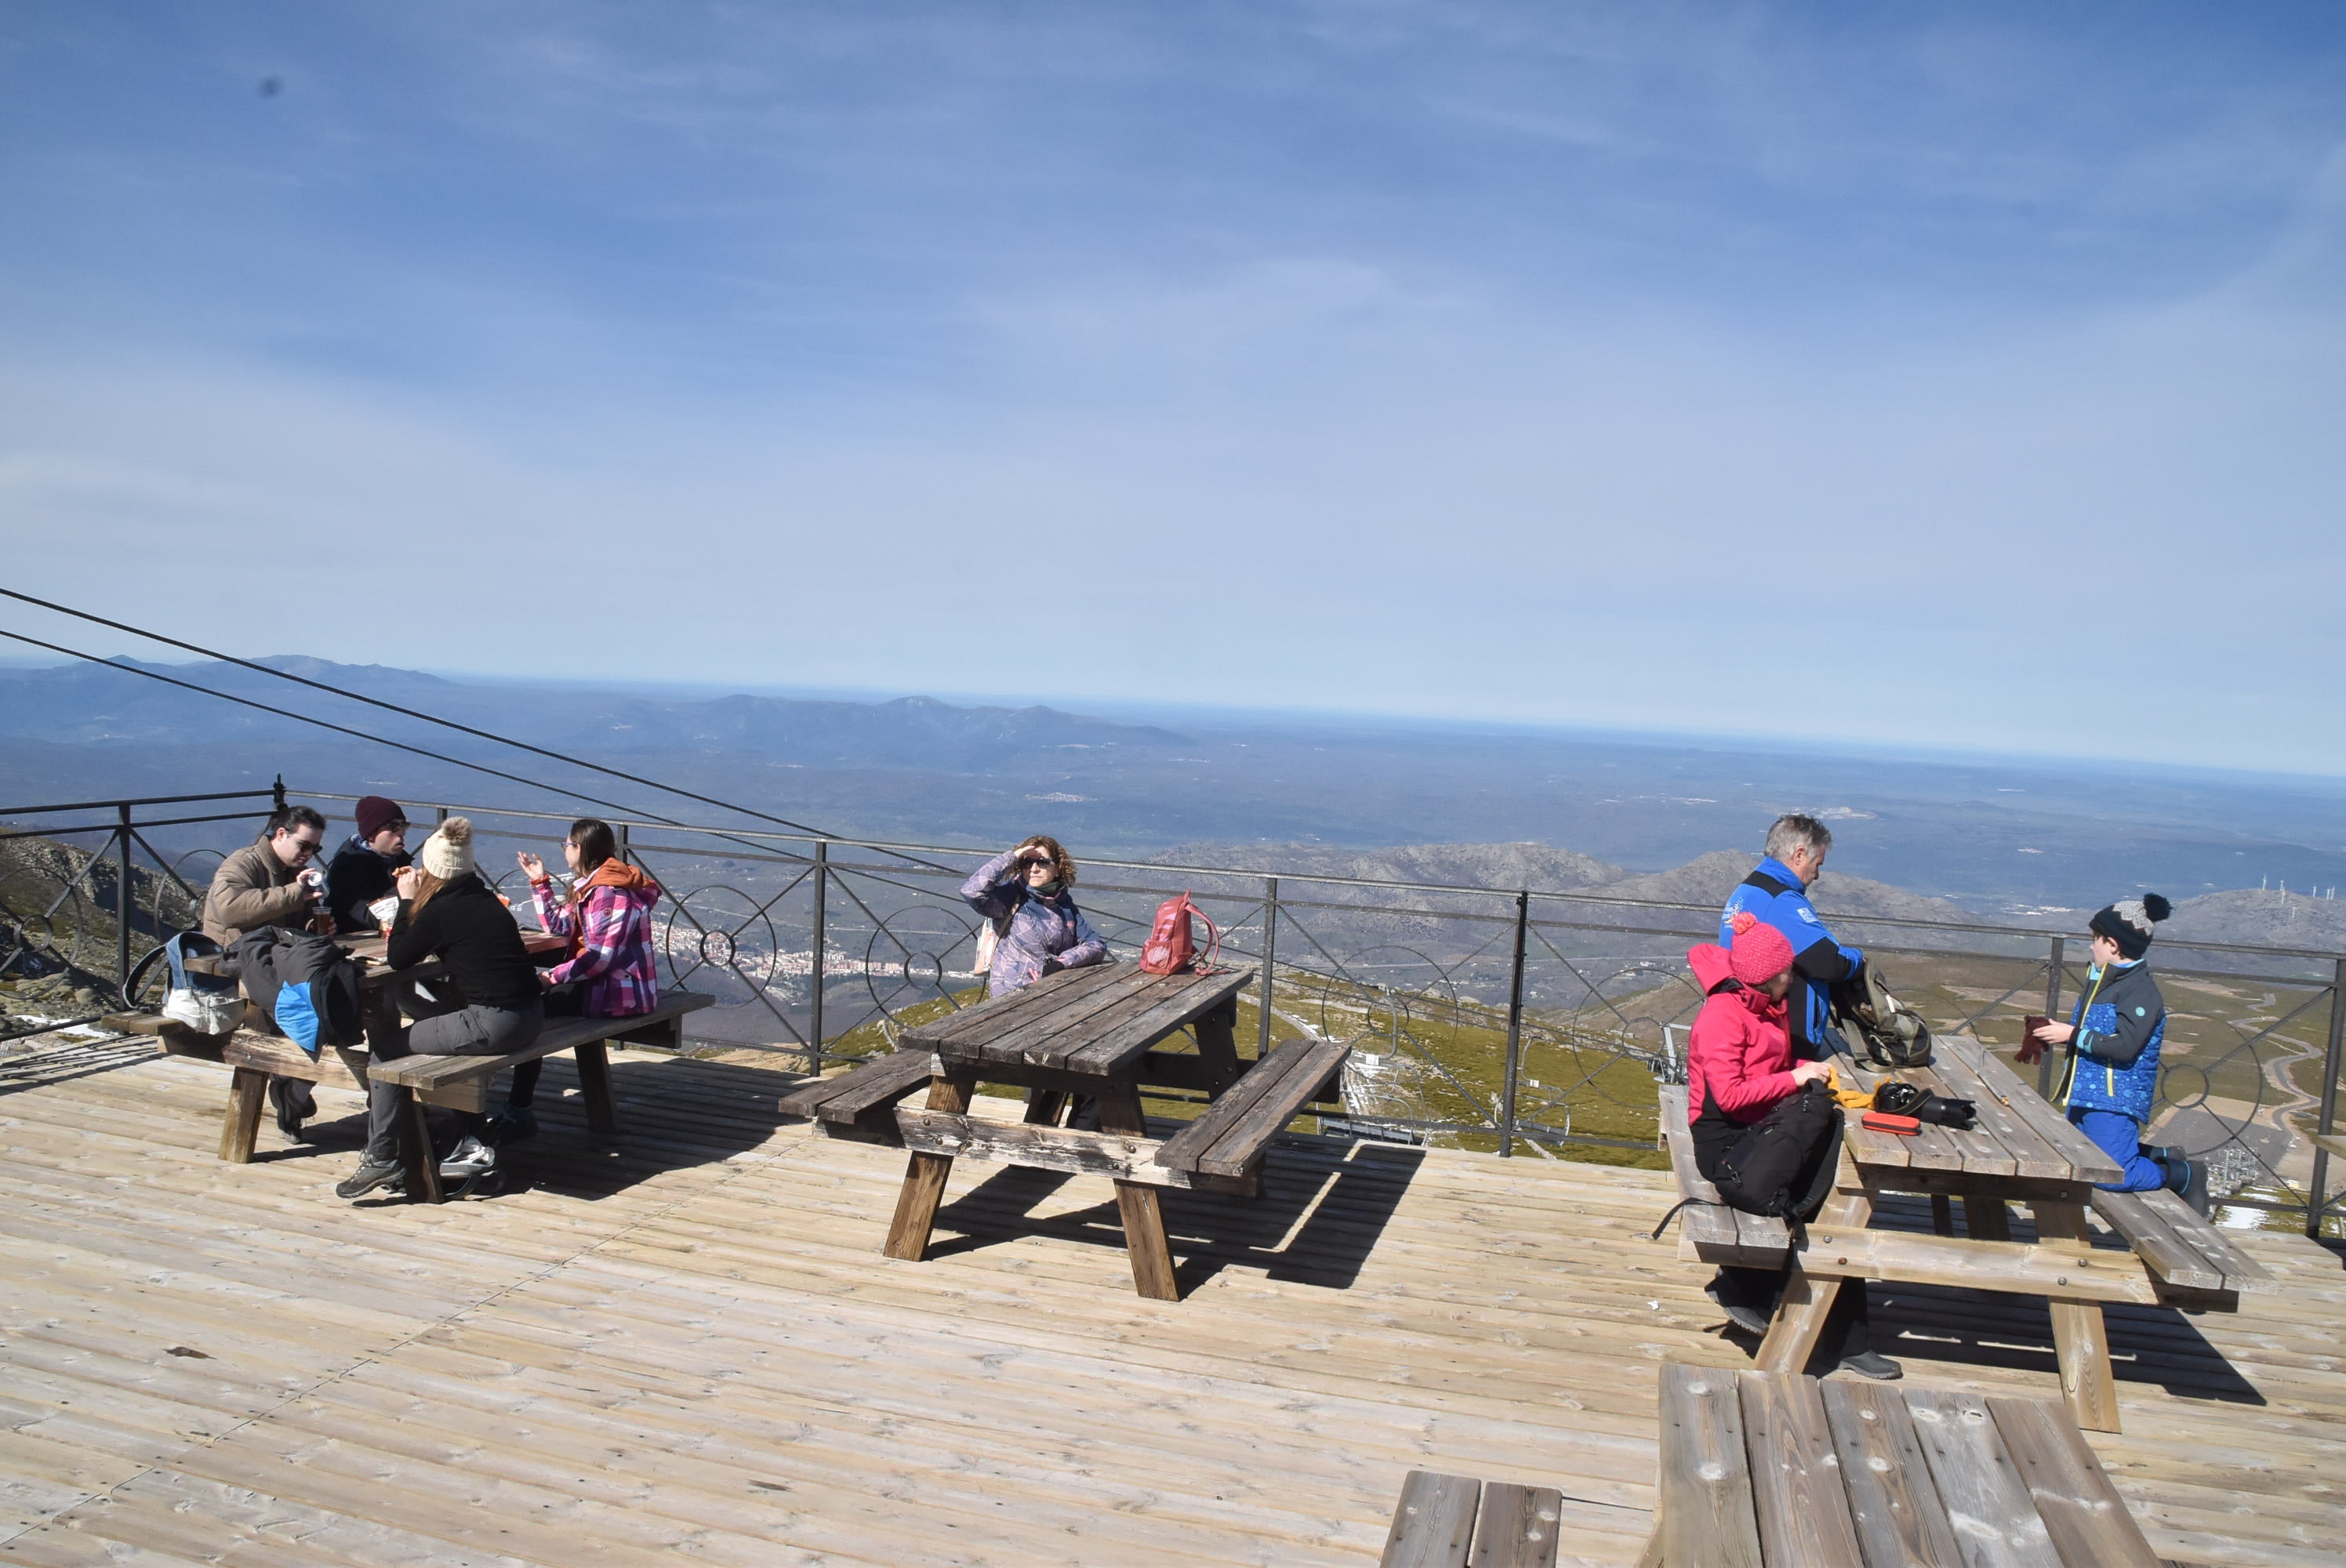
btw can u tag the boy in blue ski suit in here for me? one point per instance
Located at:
(1777, 891)
(2114, 1037)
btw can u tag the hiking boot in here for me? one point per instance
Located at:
(366, 1178)
(469, 1158)
(513, 1125)
(291, 1100)
(2187, 1179)
(1875, 1365)
(1739, 1312)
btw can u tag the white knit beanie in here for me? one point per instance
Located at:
(448, 852)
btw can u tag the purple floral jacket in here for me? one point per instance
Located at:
(1043, 931)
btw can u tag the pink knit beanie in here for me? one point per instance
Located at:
(1760, 951)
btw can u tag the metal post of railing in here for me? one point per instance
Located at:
(2327, 1124)
(122, 903)
(2052, 1011)
(1270, 950)
(277, 790)
(816, 957)
(1514, 1025)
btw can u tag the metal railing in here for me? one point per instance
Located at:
(1500, 1018)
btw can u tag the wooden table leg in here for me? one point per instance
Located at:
(925, 1176)
(1943, 1215)
(595, 1083)
(1986, 1220)
(1144, 1219)
(415, 1150)
(2080, 1337)
(1218, 1045)
(1800, 1315)
(1044, 1106)
(248, 1093)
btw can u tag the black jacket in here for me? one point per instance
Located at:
(468, 927)
(355, 878)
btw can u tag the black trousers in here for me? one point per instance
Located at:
(1849, 1327)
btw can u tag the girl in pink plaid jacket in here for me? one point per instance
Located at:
(610, 971)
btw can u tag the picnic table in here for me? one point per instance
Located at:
(453, 1083)
(2022, 1150)
(1084, 1032)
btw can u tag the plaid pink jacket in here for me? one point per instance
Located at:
(611, 946)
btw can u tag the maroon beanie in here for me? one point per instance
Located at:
(375, 813)
(1760, 953)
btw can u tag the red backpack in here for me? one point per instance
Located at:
(1172, 947)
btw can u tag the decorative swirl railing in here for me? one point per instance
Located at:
(1508, 1019)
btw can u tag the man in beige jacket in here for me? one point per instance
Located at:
(261, 885)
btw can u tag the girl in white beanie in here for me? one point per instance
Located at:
(489, 1005)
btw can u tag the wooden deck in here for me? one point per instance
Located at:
(688, 1342)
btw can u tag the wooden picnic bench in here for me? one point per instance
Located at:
(453, 1083)
(1458, 1521)
(2022, 1150)
(1772, 1470)
(1081, 1031)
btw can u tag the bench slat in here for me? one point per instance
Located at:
(1976, 1478)
(1796, 1485)
(423, 1071)
(1516, 1526)
(1185, 1148)
(881, 1081)
(2240, 1271)
(1433, 1522)
(1894, 1506)
(2081, 1509)
(1292, 1085)
(2170, 1257)
(1707, 1520)
(1716, 1232)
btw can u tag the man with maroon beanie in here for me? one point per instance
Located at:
(360, 870)
(1741, 1068)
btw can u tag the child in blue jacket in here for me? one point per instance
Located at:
(2114, 1037)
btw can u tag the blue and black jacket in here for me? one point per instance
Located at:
(2121, 1022)
(1775, 895)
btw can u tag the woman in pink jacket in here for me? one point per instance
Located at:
(611, 970)
(1741, 1068)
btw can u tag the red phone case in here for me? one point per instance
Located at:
(1883, 1122)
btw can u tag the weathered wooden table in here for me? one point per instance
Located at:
(1082, 1032)
(1764, 1470)
(2021, 1151)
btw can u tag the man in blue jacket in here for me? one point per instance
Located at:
(1777, 891)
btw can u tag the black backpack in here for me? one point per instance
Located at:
(1783, 1167)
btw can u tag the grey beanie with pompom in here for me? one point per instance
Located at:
(448, 852)
(2128, 922)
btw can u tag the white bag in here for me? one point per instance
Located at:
(204, 1012)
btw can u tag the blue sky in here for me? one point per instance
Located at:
(1962, 376)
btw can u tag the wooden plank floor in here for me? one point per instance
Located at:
(688, 1341)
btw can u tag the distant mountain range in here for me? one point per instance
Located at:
(1679, 819)
(90, 703)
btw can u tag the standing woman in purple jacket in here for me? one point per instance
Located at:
(1039, 928)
